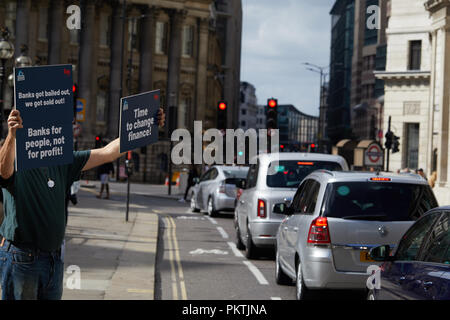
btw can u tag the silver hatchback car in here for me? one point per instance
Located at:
(335, 219)
(273, 178)
(216, 189)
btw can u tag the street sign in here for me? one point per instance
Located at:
(373, 156)
(81, 110)
(44, 97)
(139, 120)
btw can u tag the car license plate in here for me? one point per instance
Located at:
(364, 257)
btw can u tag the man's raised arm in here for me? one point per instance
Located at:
(111, 152)
(8, 151)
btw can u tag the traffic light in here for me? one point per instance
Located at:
(313, 148)
(389, 140)
(75, 97)
(222, 107)
(272, 114)
(396, 144)
(98, 142)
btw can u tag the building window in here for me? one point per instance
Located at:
(10, 19)
(244, 112)
(105, 30)
(415, 54)
(161, 38)
(411, 155)
(101, 106)
(188, 41)
(133, 34)
(43, 24)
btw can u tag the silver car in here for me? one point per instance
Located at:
(215, 191)
(334, 220)
(272, 179)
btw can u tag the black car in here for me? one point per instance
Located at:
(420, 268)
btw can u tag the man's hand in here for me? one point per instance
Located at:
(14, 122)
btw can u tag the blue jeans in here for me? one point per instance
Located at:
(30, 274)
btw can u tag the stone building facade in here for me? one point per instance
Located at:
(190, 50)
(248, 107)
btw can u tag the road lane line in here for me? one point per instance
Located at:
(177, 257)
(222, 232)
(275, 298)
(258, 275)
(235, 250)
(213, 221)
(171, 260)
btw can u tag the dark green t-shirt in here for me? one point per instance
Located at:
(34, 212)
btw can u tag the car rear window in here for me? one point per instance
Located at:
(379, 201)
(236, 173)
(289, 173)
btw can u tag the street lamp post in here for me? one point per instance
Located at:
(321, 71)
(6, 53)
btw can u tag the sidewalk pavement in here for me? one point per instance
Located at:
(151, 190)
(116, 259)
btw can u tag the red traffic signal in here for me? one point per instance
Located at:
(272, 103)
(222, 106)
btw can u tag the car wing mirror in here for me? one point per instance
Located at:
(282, 208)
(381, 253)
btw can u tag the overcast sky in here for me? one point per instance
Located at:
(278, 36)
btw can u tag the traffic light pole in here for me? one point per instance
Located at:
(388, 150)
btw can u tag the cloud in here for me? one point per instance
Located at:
(278, 36)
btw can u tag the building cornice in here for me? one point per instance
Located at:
(402, 75)
(435, 5)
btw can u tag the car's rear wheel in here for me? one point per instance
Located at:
(193, 205)
(250, 248)
(211, 210)
(302, 292)
(239, 244)
(280, 277)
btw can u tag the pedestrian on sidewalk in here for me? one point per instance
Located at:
(190, 181)
(33, 229)
(104, 171)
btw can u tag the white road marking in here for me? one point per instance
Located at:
(235, 250)
(214, 251)
(275, 298)
(213, 221)
(258, 275)
(222, 232)
(190, 218)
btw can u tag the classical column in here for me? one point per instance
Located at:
(117, 65)
(87, 65)
(174, 64)
(146, 50)
(56, 25)
(202, 69)
(22, 24)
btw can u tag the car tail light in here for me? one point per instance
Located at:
(262, 212)
(318, 232)
(222, 187)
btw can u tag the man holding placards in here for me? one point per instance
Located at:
(33, 229)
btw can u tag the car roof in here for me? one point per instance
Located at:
(341, 176)
(269, 157)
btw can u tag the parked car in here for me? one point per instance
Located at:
(335, 219)
(215, 191)
(420, 268)
(272, 179)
